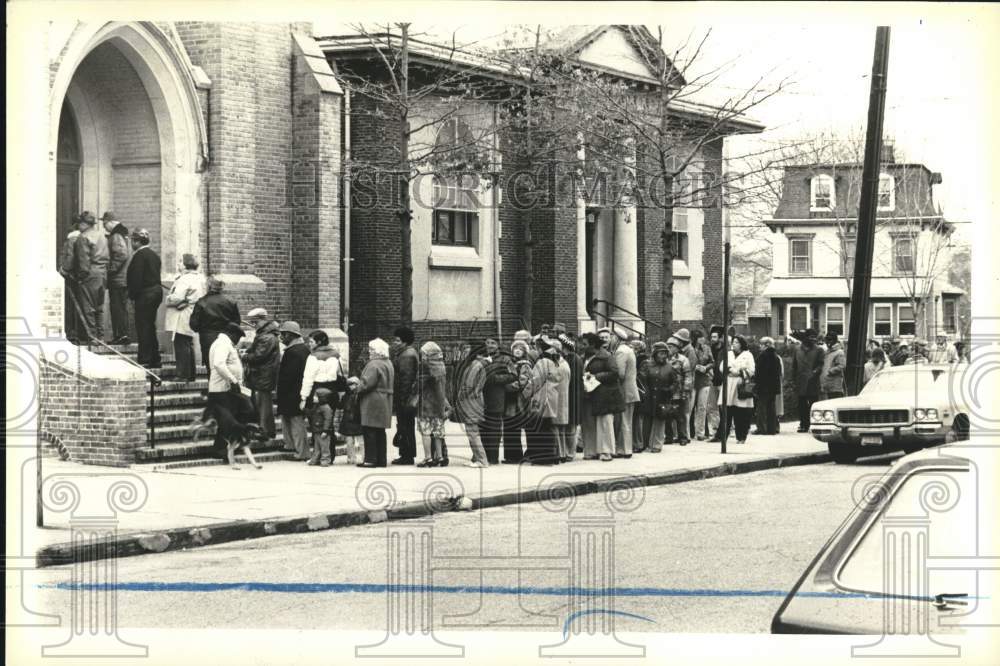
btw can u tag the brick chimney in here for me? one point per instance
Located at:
(888, 153)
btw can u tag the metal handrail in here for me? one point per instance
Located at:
(628, 312)
(618, 323)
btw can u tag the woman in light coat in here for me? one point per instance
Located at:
(544, 407)
(741, 368)
(375, 391)
(565, 433)
(188, 287)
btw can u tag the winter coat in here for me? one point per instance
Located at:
(575, 387)
(807, 364)
(716, 350)
(499, 373)
(703, 357)
(90, 255)
(142, 277)
(188, 287)
(212, 312)
(683, 375)
(768, 372)
(832, 376)
(224, 365)
(432, 399)
(68, 254)
(517, 389)
(660, 381)
(350, 420)
(544, 388)
(739, 367)
(470, 407)
(625, 360)
(691, 355)
(375, 390)
(404, 365)
(607, 398)
(290, 373)
(119, 253)
(563, 388)
(263, 358)
(322, 367)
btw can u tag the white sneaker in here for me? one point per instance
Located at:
(475, 464)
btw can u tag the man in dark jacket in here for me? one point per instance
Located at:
(90, 271)
(146, 291)
(72, 326)
(807, 364)
(768, 377)
(262, 360)
(715, 344)
(499, 373)
(601, 403)
(404, 361)
(119, 253)
(211, 314)
(290, 373)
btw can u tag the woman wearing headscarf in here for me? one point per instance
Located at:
(516, 417)
(741, 370)
(543, 405)
(432, 403)
(375, 390)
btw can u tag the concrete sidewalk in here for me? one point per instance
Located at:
(195, 506)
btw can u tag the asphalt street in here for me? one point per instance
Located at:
(715, 555)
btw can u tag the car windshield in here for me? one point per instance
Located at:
(918, 379)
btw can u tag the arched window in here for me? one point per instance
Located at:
(886, 192)
(822, 195)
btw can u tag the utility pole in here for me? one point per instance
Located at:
(724, 415)
(861, 294)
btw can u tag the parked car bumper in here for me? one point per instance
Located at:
(928, 432)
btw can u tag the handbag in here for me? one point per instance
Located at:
(664, 410)
(747, 386)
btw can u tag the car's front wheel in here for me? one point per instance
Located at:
(842, 454)
(959, 429)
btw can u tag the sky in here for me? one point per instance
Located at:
(943, 62)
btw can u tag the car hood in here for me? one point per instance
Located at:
(887, 400)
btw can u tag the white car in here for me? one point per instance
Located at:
(902, 407)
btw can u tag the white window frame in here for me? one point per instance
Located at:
(949, 326)
(896, 270)
(843, 317)
(788, 316)
(891, 180)
(900, 320)
(875, 307)
(816, 180)
(791, 255)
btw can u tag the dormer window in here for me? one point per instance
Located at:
(822, 194)
(886, 192)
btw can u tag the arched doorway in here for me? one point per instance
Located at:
(68, 160)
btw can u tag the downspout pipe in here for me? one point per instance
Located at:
(345, 310)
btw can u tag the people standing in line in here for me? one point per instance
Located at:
(146, 292)
(119, 254)
(683, 383)
(433, 408)
(543, 404)
(375, 389)
(291, 371)
(688, 351)
(73, 327)
(768, 376)
(703, 375)
(625, 361)
(660, 380)
(470, 407)
(516, 417)
(211, 314)
(807, 364)
(263, 360)
(224, 397)
(187, 289)
(404, 362)
(741, 370)
(322, 381)
(350, 427)
(565, 433)
(901, 354)
(573, 441)
(499, 373)
(602, 402)
(640, 420)
(90, 271)
(712, 405)
(831, 381)
(874, 365)
(943, 351)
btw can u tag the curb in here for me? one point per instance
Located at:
(182, 538)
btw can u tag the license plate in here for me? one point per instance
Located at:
(871, 440)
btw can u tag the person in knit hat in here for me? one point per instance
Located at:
(682, 371)
(432, 406)
(375, 390)
(516, 418)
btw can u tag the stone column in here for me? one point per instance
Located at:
(583, 318)
(626, 257)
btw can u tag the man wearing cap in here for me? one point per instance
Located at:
(90, 271)
(807, 364)
(684, 380)
(831, 381)
(119, 253)
(188, 287)
(686, 350)
(625, 362)
(262, 360)
(404, 364)
(146, 291)
(291, 370)
(72, 325)
(211, 314)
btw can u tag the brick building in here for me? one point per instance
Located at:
(815, 232)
